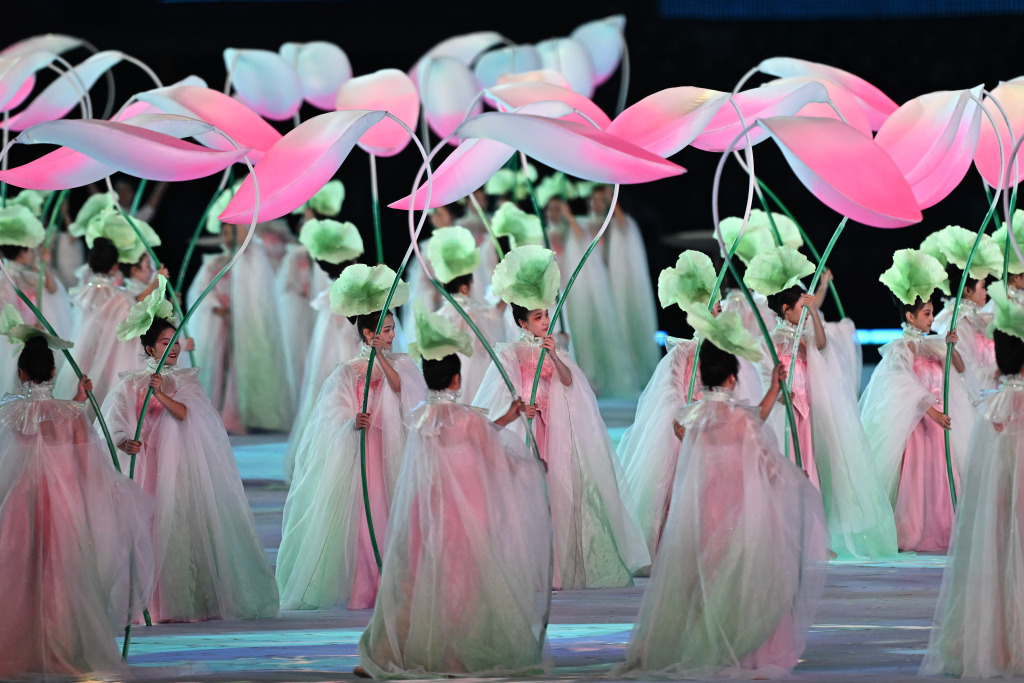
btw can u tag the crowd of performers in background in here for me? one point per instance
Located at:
(475, 521)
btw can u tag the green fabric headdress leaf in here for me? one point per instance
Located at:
(956, 244)
(999, 236)
(725, 331)
(143, 313)
(32, 200)
(521, 189)
(94, 205)
(452, 253)
(689, 282)
(221, 203)
(756, 238)
(501, 183)
(788, 232)
(930, 246)
(363, 289)
(528, 277)
(555, 185)
(1009, 315)
(19, 228)
(328, 201)
(777, 269)
(112, 224)
(436, 336)
(520, 227)
(914, 275)
(331, 241)
(13, 326)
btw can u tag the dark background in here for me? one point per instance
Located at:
(905, 57)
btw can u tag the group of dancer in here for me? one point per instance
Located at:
(452, 492)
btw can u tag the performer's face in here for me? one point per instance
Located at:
(387, 332)
(978, 294)
(923, 319)
(537, 322)
(157, 350)
(143, 272)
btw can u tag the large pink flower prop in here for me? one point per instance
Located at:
(668, 120)
(839, 97)
(265, 82)
(603, 40)
(876, 105)
(465, 48)
(322, 68)
(55, 43)
(300, 164)
(538, 76)
(932, 140)
(447, 88)
(17, 76)
(987, 156)
(389, 90)
(517, 59)
(466, 169)
(515, 95)
(571, 59)
(846, 170)
(64, 94)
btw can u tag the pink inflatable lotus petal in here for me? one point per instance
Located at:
(389, 90)
(846, 170)
(447, 87)
(465, 170)
(50, 42)
(785, 99)
(932, 139)
(604, 42)
(494, 64)
(15, 72)
(26, 89)
(840, 97)
(575, 149)
(570, 58)
(540, 75)
(668, 120)
(322, 68)
(465, 48)
(63, 94)
(265, 82)
(515, 95)
(986, 158)
(299, 165)
(226, 113)
(875, 104)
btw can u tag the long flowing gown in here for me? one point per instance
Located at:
(908, 446)
(742, 562)
(598, 540)
(55, 308)
(979, 622)
(210, 562)
(76, 562)
(295, 286)
(976, 349)
(491, 323)
(464, 589)
(326, 556)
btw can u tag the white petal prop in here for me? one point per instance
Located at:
(15, 72)
(447, 88)
(540, 75)
(515, 95)
(932, 139)
(264, 82)
(387, 90)
(322, 68)
(845, 169)
(56, 43)
(465, 48)
(517, 59)
(464, 170)
(668, 120)
(570, 58)
(1010, 95)
(840, 98)
(604, 41)
(63, 94)
(299, 165)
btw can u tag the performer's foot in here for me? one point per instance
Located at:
(360, 672)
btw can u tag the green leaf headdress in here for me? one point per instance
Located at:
(221, 203)
(143, 313)
(436, 336)
(363, 289)
(520, 227)
(327, 201)
(755, 240)
(528, 277)
(501, 183)
(1009, 315)
(331, 241)
(689, 282)
(94, 205)
(956, 243)
(32, 200)
(111, 224)
(777, 269)
(999, 236)
(452, 253)
(914, 275)
(725, 331)
(19, 228)
(18, 332)
(555, 185)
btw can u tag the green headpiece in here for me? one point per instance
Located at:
(956, 243)
(143, 313)
(452, 253)
(914, 275)
(19, 228)
(18, 332)
(94, 205)
(528, 277)
(436, 336)
(221, 203)
(725, 331)
(520, 227)
(755, 240)
(501, 183)
(999, 236)
(930, 246)
(327, 202)
(777, 269)
(555, 185)
(363, 289)
(788, 232)
(115, 227)
(1009, 315)
(585, 188)
(689, 282)
(32, 200)
(331, 241)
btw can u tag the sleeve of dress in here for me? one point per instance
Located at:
(120, 419)
(493, 393)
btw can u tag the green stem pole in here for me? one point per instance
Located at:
(544, 231)
(54, 210)
(487, 226)
(376, 209)
(180, 283)
(137, 199)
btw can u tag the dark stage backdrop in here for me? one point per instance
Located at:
(902, 47)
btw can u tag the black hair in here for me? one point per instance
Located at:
(452, 287)
(520, 313)
(787, 297)
(439, 374)
(333, 270)
(102, 256)
(954, 274)
(369, 321)
(12, 251)
(1009, 352)
(126, 268)
(716, 365)
(913, 308)
(149, 338)
(36, 360)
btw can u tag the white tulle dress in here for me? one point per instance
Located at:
(979, 622)
(210, 562)
(742, 561)
(834, 448)
(76, 563)
(649, 449)
(598, 540)
(908, 446)
(297, 281)
(464, 590)
(491, 322)
(326, 556)
(976, 349)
